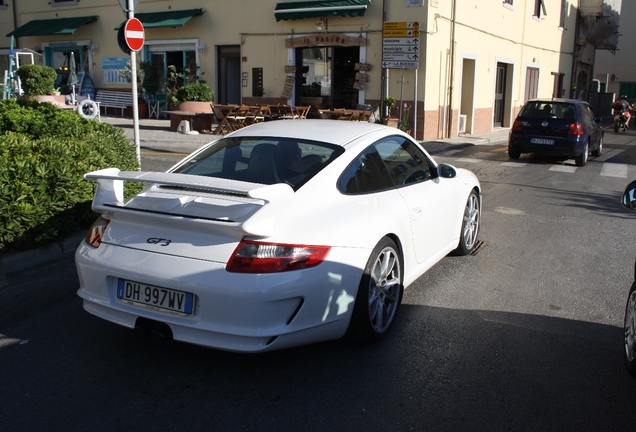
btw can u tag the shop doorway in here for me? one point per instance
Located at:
(325, 77)
(229, 74)
(500, 93)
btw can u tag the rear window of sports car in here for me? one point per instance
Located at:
(265, 160)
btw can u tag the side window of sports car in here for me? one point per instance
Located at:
(367, 173)
(405, 161)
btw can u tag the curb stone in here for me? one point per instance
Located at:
(30, 258)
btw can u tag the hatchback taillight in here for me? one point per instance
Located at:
(96, 233)
(576, 129)
(516, 126)
(257, 257)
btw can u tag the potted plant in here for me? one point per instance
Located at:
(38, 82)
(404, 123)
(196, 97)
(405, 126)
(389, 120)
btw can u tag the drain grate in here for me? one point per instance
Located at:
(479, 246)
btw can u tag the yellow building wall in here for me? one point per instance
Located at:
(486, 32)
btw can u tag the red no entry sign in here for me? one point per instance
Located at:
(134, 34)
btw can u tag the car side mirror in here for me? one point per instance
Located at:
(446, 171)
(629, 196)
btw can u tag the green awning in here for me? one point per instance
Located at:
(58, 26)
(320, 8)
(166, 19)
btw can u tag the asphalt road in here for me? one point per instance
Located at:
(523, 335)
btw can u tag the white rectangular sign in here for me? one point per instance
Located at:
(400, 65)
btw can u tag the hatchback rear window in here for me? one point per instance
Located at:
(266, 160)
(554, 110)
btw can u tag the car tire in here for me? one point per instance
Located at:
(512, 153)
(581, 159)
(629, 352)
(470, 225)
(599, 150)
(379, 294)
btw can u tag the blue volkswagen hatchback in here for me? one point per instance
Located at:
(564, 127)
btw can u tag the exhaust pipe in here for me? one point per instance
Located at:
(157, 331)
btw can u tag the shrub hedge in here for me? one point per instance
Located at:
(44, 153)
(37, 79)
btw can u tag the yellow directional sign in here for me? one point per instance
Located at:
(401, 33)
(401, 25)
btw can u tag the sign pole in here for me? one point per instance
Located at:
(415, 106)
(133, 71)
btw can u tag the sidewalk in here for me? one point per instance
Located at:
(155, 134)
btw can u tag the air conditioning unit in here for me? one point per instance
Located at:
(462, 123)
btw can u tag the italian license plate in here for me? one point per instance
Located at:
(155, 297)
(541, 141)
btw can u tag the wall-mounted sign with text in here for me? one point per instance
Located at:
(401, 45)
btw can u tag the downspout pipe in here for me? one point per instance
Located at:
(385, 72)
(449, 124)
(15, 21)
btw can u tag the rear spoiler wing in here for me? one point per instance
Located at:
(110, 186)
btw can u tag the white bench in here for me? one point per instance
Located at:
(114, 99)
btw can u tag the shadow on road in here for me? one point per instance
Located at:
(440, 369)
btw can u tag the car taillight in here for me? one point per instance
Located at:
(95, 234)
(576, 129)
(516, 126)
(257, 257)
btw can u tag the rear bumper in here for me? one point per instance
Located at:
(234, 312)
(561, 146)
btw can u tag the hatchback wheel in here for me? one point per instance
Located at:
(599, 150)
(512, 153)
(379, 293)
(581, 159)
(630, 332)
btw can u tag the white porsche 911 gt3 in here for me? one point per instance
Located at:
(279, 234)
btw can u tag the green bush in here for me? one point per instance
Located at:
(37, 80)
(44, 154)
(199, 92)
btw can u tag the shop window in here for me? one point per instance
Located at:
(3, 4)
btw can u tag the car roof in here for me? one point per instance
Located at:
(338, 132)
(558, 100)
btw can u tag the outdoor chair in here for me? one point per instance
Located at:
(223, 124)
(302, 111)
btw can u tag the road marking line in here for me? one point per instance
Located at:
(614, 170)
(513, 164)
(500, 150)
(563, 168)
(607, 155)
(468, 160)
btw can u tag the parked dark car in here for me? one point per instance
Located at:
(565, 127)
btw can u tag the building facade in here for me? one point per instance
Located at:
(615, 70)
(454, 66)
